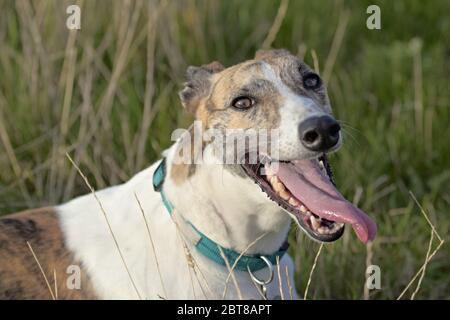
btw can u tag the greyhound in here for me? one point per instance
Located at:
(198, 229)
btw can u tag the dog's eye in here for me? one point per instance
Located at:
(243, 103)
(311, 81)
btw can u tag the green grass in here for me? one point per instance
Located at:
(118, 78)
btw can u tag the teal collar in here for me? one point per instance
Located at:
(208, 247)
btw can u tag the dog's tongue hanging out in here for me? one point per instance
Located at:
(306, 181)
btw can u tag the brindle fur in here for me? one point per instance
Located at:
(20, 276)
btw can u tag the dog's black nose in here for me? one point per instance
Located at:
(319, 133)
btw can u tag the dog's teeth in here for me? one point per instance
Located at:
(303, 209)
(274, 179)
(322, 167)
(335, 228)
(277, 185)
(323, 230)
(321, 164)
(293, 202)
(284, 194)
(280, 187)
(314, 223)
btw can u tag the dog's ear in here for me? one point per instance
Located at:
(198, 84)
(270, 53)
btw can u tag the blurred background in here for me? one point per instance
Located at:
(107, 95)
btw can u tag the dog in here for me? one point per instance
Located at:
(206, 230)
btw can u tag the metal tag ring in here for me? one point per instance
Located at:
(259, 281)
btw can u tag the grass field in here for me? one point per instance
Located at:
(107, 95)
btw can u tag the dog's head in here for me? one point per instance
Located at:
(278, 92)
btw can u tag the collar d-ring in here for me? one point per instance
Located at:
(259, 281)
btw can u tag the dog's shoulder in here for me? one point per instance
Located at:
(32, 245)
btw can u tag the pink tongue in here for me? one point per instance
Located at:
(307, 183)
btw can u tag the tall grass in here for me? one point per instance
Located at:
(107, 94)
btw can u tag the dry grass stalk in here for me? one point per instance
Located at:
(281, 13)
(297, 257)
(315, 61)
(425, 266)
(336, 44)
(86, 108)
(56, 284)
(291, 289)
(152, 244)
(312, 271)
(191, 262)
(421, 269)
(57, 171)
(204, 278)
(108, 224)
(6, 141)
(150, 84)
(119, 64)
(233, 277)
(280, 282)
(369, 255)
(429, 255)
(416, 48)
(426, 217)
(42, 271)
(190, 272)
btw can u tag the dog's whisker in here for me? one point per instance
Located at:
(346, 133)
(355, 130)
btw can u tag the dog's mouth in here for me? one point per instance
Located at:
(305, 189)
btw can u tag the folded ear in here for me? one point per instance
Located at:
(270, 53)
(198, 84)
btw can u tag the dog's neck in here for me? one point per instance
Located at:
(227, 207)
